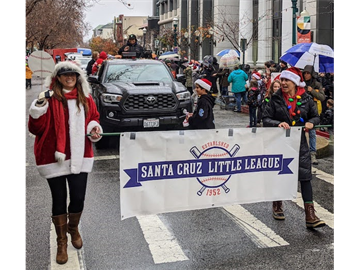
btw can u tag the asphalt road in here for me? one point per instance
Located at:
(205, 239)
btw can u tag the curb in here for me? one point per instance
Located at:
(323, 146)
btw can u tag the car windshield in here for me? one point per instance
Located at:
(135, 72)
(84, 61)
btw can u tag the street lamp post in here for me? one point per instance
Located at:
(295, 9)
(175, 23)
(144, 35)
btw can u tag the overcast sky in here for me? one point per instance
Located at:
(104, 12)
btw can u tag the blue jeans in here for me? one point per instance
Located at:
(252, 114)
(224, 90)
(238, 97)
(312, 140)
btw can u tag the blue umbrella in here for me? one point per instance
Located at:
(317, 55)
(229, 51)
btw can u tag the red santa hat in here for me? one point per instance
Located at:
(256, 75)
(103, 55)
(204, 83)
(293, 74)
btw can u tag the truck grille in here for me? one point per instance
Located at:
(152, 101)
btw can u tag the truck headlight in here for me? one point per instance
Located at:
(183, 95)
(111, 98)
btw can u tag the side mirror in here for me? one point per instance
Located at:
(93, 79)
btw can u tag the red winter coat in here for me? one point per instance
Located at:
(42, 125)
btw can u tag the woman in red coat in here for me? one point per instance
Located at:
(60, 119)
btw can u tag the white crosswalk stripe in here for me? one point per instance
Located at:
(164, 246)
(261, 235)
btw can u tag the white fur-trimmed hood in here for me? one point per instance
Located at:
(69, 65)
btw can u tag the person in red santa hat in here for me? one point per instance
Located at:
(96, 66)
(256, 76)
(60, 119)
(203, 116)
(292, 106)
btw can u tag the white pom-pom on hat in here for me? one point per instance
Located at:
(293, 74)
(204, 83)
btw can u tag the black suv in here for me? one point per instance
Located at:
(138, 95)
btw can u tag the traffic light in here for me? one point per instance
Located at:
(243, 43)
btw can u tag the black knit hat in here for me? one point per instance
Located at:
(132, 36)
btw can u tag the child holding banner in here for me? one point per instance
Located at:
(203, 116)
(292, 106)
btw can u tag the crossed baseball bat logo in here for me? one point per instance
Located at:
(197, 154)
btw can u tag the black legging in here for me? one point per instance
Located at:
(306, 191)
(77, 189)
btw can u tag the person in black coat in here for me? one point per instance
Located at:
(203, 116)
(132, 46)
(292, 106)
(94, 57)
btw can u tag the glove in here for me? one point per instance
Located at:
(43, 97)
(46, 94)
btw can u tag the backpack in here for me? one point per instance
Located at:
(254, 98)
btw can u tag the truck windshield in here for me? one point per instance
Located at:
(138, 73)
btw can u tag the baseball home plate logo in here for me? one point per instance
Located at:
(214, 182)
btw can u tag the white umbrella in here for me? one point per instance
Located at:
(229, 61)
(41, 63)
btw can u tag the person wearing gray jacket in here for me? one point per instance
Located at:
(315, 90)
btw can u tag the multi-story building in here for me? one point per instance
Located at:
(126, 25)
(264, 26)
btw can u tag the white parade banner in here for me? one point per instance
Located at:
(169, 171)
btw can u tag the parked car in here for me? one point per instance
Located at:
(83, 60)
(138, 95)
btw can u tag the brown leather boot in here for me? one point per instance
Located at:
(278, 212)
(60, 223)
(74, 219)
(312, 221)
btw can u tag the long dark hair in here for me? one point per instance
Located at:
(81, 98)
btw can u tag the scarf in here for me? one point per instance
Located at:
(76, 130)
(292, 100)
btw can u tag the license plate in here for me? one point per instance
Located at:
(151, 123)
